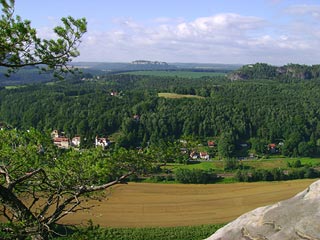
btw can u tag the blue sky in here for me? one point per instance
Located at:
(208, 31)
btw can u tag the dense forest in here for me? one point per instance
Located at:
(254, 113)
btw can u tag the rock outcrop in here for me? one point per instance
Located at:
(295, 218)
(265, 71)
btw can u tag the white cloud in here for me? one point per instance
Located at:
(306, 10)
(226, 37)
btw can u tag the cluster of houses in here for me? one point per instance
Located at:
(196, 155)
(202, 155)
(64, 142)
(272, 148)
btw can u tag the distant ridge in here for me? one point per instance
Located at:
(145, 62)
(154, 65)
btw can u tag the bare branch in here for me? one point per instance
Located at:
(71, 209)
(60, 210)
(35, 199)
(4, 171)
(105, 186)
(46, 207)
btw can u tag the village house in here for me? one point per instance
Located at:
(62, 142)
(114, 93)
(272, 147)
(54, 134)
(102, 142)
(211, 144)
(59, 140)
(184, 150)
(75, 141)
(204, 156)
(194, 155)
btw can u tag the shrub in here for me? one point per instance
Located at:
(196, 176)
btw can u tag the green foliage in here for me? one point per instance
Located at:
(196, 176)
(156, 233)
(231, 164)
(226, 145)
(286, 73)
(276, 174)
(32, 168)
(296, 164)
(236, 113)
(20, 46)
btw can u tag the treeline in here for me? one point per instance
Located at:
(275, 174)
(232, 114)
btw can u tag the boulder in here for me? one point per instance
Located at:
(295, 218)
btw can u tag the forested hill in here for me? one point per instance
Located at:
(284, 73)
(129, 109)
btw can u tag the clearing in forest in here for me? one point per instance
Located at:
(176, 95)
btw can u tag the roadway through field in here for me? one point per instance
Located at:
(147, 205)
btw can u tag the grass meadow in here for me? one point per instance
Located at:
(263, 163)
(176, 96)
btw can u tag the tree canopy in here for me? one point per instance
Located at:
(20, 46)
(40, 184)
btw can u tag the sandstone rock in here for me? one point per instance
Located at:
(292, 219)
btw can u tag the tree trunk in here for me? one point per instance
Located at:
(17, 207)
(21, 213)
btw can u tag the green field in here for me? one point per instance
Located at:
(182, 74)
(155, 233)
(268, 164)
(176, 96)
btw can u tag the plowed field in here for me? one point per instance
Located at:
(146, 205)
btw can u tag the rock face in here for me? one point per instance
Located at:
(295, 218)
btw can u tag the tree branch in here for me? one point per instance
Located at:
(25, 177)
(60, 210)
(105, 186)
(4, 171)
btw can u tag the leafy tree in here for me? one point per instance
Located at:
(196, 176)
(230, 164)
(20, 46)
(226, 145)
(54, 182)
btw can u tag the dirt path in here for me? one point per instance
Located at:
(145, 205)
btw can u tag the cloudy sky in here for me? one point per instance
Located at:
(204, 31)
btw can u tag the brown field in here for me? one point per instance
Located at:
(146, 205)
